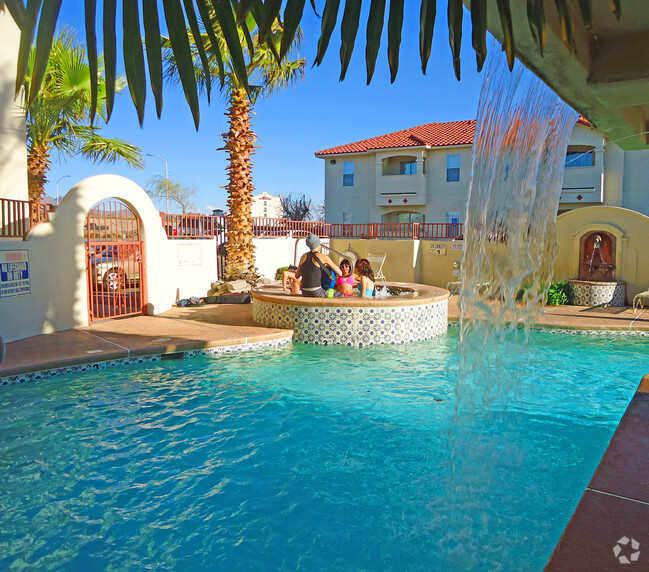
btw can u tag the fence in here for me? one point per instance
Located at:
(17, 218)
(416, 231)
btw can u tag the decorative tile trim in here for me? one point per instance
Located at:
(355, 325)
(573, 332)
(36, 375)
(238, 348)
(46, 373)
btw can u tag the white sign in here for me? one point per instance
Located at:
(189, 255)
(438, 248)
(14, 273)
(457, 246)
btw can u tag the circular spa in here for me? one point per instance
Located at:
(409, 313)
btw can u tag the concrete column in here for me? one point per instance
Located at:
(13, 151)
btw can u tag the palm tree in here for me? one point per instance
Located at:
(233, 15)
(265, 76)
(58, 118)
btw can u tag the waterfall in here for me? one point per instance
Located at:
(510, 245)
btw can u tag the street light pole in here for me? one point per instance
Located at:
(57, 187)
(166, 177)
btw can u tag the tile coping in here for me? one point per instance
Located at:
(45, 373)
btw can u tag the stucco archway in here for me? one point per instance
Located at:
(66, 261)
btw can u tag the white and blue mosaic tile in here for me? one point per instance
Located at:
(611, 294)
(355, 326)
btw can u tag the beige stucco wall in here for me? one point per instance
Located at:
(59, 298)
(420, 261)
(272, 253)
(631, 229)
(13, 154)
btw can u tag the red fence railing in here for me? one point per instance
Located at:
(17, 218)
(429, 231)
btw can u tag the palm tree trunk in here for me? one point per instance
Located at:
(38, 163)
(239, 143)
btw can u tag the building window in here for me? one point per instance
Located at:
(580, 159)
(453, 164)
(402, 217)
(348, 174)
(408, 168)
(347, 218)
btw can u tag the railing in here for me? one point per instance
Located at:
(283, 227)
(428, 231)
(17, 218)
(192, 225)
(205, 226)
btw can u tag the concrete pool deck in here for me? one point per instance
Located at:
(219, 325)
(614, 507)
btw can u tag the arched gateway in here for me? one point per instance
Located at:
(114, 261)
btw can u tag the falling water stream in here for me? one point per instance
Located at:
(519, 150)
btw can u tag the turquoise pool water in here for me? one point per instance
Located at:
(313, 458)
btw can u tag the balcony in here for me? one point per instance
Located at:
(400, 180)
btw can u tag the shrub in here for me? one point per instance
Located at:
(559, 294)
(280, 271)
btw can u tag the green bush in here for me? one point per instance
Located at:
(559, 294)
(280, 272)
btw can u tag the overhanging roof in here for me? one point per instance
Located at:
(606, 79)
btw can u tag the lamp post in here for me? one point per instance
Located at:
(166, 177)
(57, 187)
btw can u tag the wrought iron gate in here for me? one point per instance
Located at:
(114, 261)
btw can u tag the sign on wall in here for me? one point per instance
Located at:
(14, 273)
(438, 248)
(189, 255)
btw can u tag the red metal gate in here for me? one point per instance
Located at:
(114, 262)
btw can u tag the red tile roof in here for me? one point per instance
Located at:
(430, 134)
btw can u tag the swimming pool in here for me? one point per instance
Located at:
(307, 457)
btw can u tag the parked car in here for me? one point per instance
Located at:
(115, 266)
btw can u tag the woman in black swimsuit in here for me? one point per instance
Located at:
(314, 270)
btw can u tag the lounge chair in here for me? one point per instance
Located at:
(377, 259)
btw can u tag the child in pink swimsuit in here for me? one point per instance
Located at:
(345, 283)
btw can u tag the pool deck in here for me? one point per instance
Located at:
(615, 505)
(218, 325)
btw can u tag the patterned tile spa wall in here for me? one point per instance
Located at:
(355, 326)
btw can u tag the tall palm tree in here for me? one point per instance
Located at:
(265, 76)
(230, 15)
(58, 118)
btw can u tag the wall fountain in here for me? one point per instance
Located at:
(596, 284)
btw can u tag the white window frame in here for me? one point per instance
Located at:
(453, 168)
(349, 173)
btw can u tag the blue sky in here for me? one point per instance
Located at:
(315, 114)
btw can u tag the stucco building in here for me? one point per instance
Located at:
(267, 205)
(422, 174)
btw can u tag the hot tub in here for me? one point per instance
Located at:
(414, 312)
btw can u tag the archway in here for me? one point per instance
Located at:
(115, 268)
